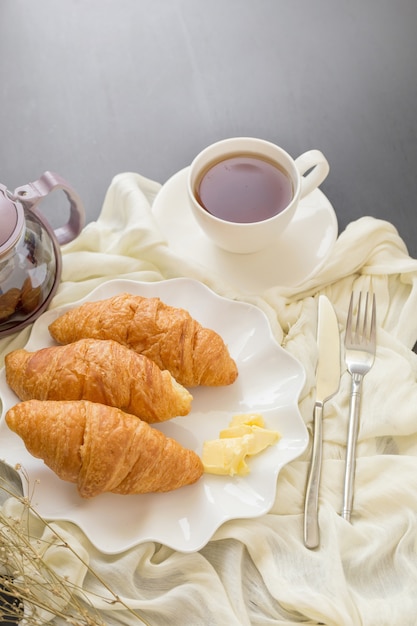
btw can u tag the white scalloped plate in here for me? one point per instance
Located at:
(269, 382)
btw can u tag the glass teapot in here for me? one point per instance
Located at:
(30, 255)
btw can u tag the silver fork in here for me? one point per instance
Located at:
(360, 347)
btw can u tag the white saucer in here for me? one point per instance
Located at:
(296, 256)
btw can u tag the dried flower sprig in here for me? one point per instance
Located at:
(32, 591)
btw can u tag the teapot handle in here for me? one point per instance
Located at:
(30, 196)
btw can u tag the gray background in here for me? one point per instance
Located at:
(92, 88)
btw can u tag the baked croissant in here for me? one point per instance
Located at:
(102, 449)
(169, 336)
(100, 371)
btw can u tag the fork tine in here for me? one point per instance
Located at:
(365, 317)
(368, 332)
(349, 320)
(358, 328)
(372, 335)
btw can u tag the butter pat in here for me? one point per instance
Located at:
(248, 419)
(226, 456)
(244, 437)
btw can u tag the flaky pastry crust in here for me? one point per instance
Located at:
(167, 335)
(102, 449)
(100, 371)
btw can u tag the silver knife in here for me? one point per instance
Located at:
(328, 380)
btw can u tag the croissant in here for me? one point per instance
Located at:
(169, 336)
(102, 449)
(100, 371)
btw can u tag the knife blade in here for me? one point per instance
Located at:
(327, 385)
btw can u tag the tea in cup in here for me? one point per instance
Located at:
(245, 191)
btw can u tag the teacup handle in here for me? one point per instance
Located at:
(315, 161)
(32, 194)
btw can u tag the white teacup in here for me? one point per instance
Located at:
(303, 175)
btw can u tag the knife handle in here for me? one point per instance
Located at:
(311, 504)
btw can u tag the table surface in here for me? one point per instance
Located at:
(91, 89)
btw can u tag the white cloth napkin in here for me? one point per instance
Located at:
(258, 572)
